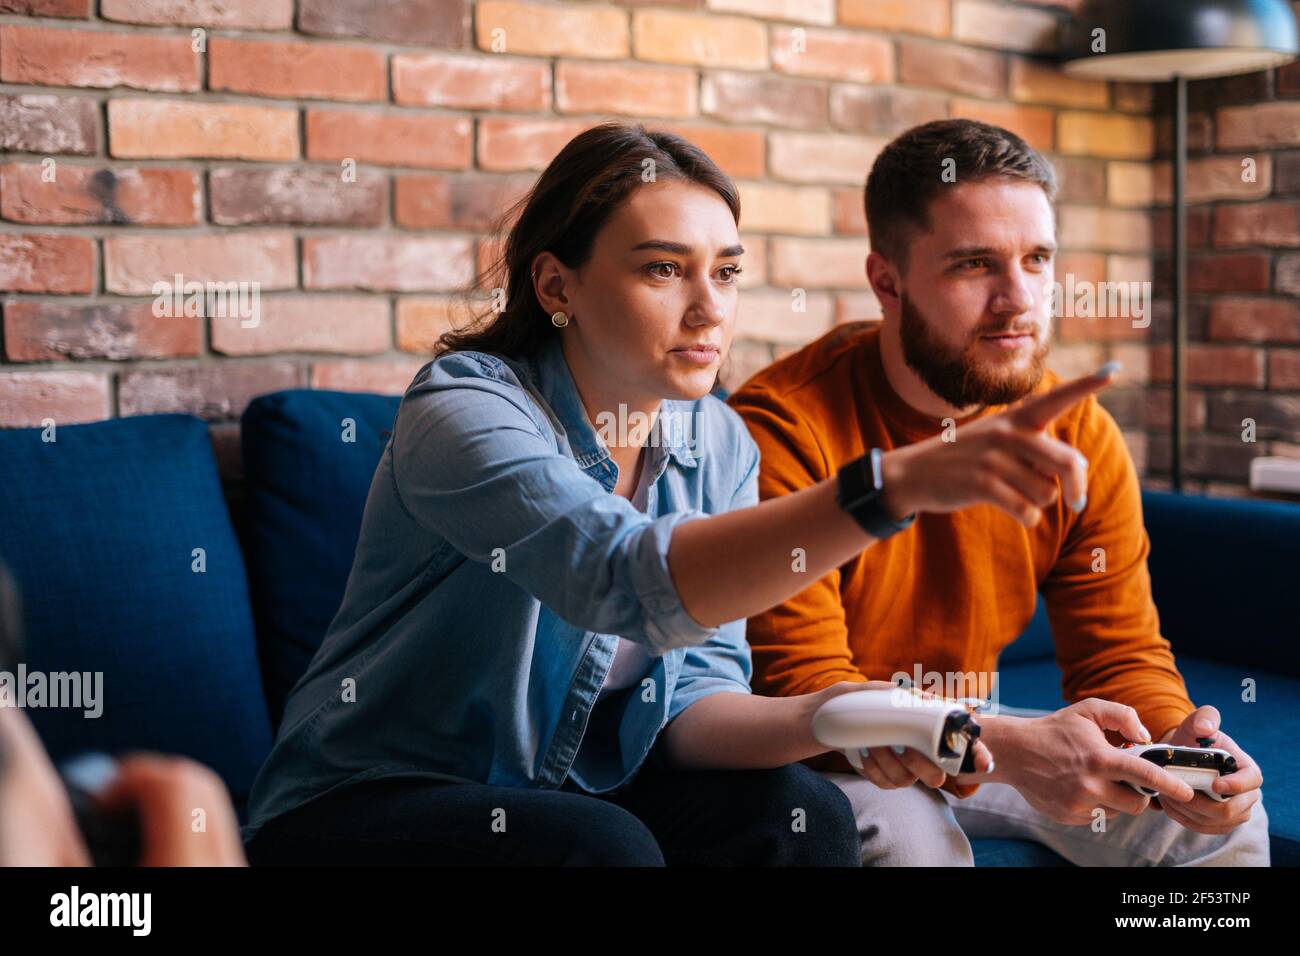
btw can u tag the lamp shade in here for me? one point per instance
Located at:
(1157, 40)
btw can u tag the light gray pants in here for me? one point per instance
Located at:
(920, 826)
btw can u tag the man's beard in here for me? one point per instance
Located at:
(962, 377)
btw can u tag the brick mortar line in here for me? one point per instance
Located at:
(390, 48)
(207, 94)
(173, 363)
(192, 163)
(703, 122)
(200, 164)
(108, 231)
(90, 299)
(208, 227)
(701, 69)
(205, 165)
(1242, 391)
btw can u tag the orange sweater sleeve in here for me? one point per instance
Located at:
(802, 645)
(1098, 593)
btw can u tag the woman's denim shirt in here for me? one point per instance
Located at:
(493, 571)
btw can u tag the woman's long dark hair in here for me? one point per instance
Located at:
(561, 214)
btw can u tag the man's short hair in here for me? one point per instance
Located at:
(911, 172)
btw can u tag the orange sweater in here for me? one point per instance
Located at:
(953, 590)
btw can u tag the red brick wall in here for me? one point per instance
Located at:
(226, 164)
(1243, 360)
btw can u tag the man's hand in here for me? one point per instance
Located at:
(889, 769)
(1006, 460)
(1064, 766)
(1203, 814)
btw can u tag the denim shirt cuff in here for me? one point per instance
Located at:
(667, 623)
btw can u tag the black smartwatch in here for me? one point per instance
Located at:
(860, 487)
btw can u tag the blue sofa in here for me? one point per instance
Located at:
(201, 612)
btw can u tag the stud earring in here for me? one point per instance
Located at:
(559, 320)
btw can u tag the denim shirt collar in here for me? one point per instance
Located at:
(555, 383)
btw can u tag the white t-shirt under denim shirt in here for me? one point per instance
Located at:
(631, 660)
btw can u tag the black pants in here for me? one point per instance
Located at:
(789, 816)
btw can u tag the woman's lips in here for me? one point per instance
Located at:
(697, 355)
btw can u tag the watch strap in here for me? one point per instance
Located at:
(861, 483)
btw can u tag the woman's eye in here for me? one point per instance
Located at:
(663, 265)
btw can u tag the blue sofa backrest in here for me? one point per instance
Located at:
(118, 537)
(309, 457)
(1224, 575)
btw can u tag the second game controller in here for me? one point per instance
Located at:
(941, 730)
(1198, 767)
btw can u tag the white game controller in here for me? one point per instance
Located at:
(939, 729)
(1198, 767)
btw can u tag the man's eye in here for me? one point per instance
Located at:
(1040, 259)
(974, 263)
(733, 273)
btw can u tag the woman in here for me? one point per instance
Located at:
(540, 655)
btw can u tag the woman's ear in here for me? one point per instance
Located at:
(552, 284)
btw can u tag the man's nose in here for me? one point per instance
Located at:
(1016, 294)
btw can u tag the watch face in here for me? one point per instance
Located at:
(875, 478)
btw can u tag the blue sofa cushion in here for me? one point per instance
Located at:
(99, 528)
(1194, 590)
(1265, 728)
(309, 457)
(1224, 573)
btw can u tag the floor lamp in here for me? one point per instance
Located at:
(1178, 40)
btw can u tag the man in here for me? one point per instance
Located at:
(963, 241)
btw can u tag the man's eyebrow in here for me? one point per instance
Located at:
(973, 252)
(682, 249)
(970, 252)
